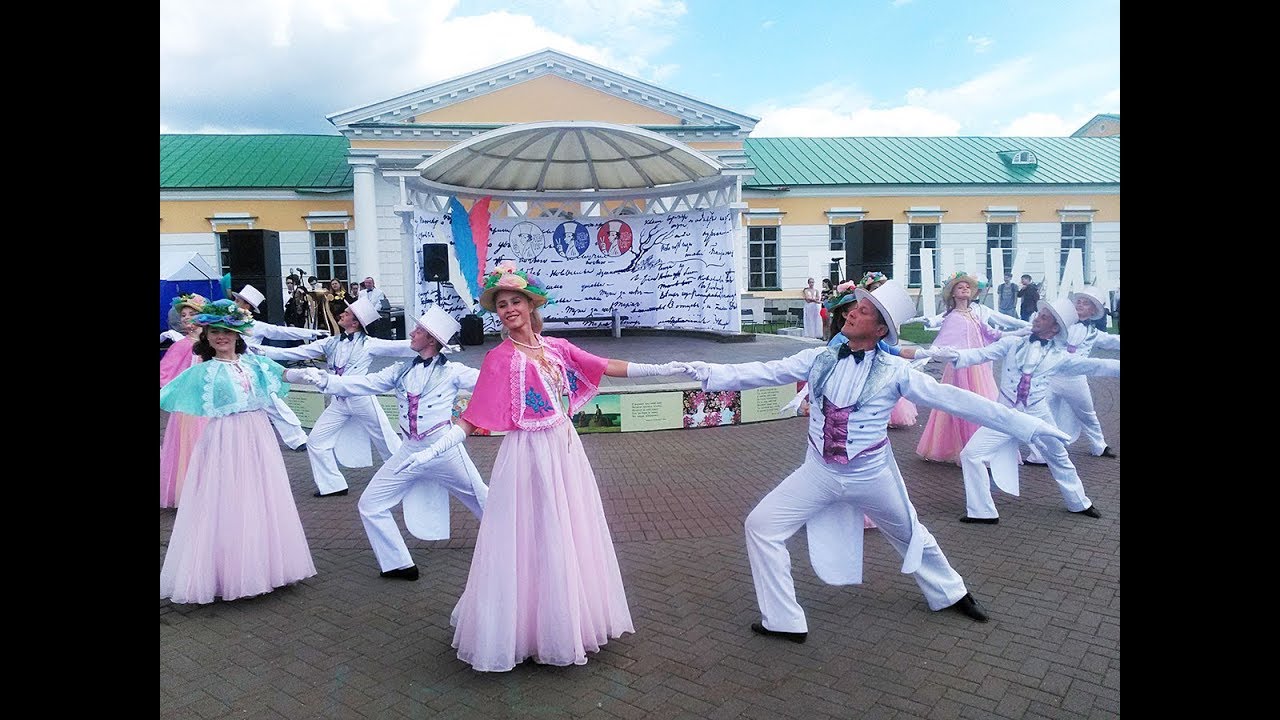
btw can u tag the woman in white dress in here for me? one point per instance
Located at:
(812, 311)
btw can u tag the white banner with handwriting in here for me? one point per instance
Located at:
(673, 270)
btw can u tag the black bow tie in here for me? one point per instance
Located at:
(845, 352)
(426, 361)
(346, 336)
(1044, 342)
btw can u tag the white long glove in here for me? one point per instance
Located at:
(924, 354)
(415, 462)
(321, 333)
(646, 370)
(308, 376)
(943, 353)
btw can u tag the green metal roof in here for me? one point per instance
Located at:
(931, 161)
(297, 162)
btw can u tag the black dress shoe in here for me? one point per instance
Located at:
(980, 521)
(793, 637)
(1029, 461)
(1091, 511)
(969, 607)
(317, 493)
(1108, 452)
(409, 573)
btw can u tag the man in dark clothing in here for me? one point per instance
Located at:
(1030, 295)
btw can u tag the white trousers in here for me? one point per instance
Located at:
(995, 450)
(286, 423)
(362, 410)
(867, 483)
(453, 469)
(1072, 404)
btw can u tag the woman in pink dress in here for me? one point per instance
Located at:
(964, 324)
(237, 532)
(544, 580)
(181, 429)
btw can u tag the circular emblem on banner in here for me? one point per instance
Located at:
(526, 240)
(571, 239)
(614, 238)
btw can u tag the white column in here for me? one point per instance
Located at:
(364, 262)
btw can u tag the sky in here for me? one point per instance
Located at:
(1022, 68)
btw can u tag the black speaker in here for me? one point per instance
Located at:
(254, 257)
(472, 330)
(868, 247)
(435, 262)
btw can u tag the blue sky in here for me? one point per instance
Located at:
(857, 67)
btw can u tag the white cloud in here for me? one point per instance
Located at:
(1039, 124)
(271, 64)
(980, 44)
(768, 24)
(823, 122)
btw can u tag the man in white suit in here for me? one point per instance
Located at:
(344, 429)
(1028, 365)
(1070, 399)
(849, 468)
(425, 391)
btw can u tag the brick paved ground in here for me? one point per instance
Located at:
(347, 644)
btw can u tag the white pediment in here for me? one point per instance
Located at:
(402, 109)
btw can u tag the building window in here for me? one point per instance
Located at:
(1000, 236)
(224, 252)
(837, 237)
(1074, 235)
(762, 272)
(330, 252)
(920, 237)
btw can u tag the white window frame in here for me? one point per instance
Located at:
(916, 244)
(752, 244)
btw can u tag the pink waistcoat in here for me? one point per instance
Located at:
(510, 394)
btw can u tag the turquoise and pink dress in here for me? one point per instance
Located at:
(237, 532)
(180, 430)
(544, 580)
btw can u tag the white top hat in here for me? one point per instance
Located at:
(894, 304)
(250, 295)
(615, 226)
(1063, 310)
(439, 324)
(1095, 295)
(364, 310)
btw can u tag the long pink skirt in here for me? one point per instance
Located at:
(944, 435)
(180, 434)
(544, 580)
(237, 532)
(903, 414)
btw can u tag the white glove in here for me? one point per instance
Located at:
(943, 354)
(308, 376)
(1044, 435)
(415, 462)
(793, 407)
(699, 370)
(321, 333)
(916, 319)
(923, 354)
(646, 370)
